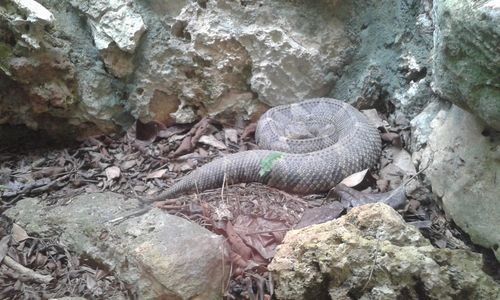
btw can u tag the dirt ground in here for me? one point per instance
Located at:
(149, 158)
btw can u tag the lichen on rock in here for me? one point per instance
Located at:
(371, 253)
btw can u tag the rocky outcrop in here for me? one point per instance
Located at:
(50, 75)
(162, 255)
(463, 160)
(466, 56)
(390, 69)
(225, 56)
(174, 61)
(371, 253)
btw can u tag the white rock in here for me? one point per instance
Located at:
(124, 27)
(35, 11)
(113, 21)
(463, 167)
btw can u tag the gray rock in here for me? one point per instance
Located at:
(219, 58)
(422, 125)
(165, 256)
(463, 159)
(466, 57)
(391, 62)
(50, 75)
(225, 56)
(371, 253)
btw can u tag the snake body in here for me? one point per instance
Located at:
(311, 146)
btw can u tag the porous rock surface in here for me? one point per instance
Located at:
(164, 256)
(466, 56)
(462, 156)
(174, 61)
(371, 253)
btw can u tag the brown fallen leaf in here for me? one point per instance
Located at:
(199, 130)
(186, 146)
(261, 234)
(318, 215)
(249, 130)
(18, 234)
(237, 244)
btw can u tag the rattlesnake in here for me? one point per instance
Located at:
(313, 144)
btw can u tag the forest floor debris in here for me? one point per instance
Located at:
(254, 218)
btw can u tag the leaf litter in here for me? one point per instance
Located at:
(254, 218)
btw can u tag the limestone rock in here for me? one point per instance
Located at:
(464, 162)
(113, 21)
(48, 75)
(35, 12)
(164, 256)
(225, 56)
(116, 30)
(391, 63)
(229, 59)
(466, 57)
(371, 253)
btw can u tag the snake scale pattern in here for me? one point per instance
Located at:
(317, 142)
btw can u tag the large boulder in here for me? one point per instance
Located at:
(371, 253)
(466, 56)
(164, 256)
(462, 157)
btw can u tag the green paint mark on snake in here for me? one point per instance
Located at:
(266, 165)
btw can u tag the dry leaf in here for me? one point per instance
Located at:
(156, 174)
(212, 141)
(318, 215)
(249, 130)
(128, 164)
(231, 135)
(402, 159)
(4, 247)
(112, 172)
(237, 244)
(375, 119)
(18, 233)
(260, 233)
(354, 179)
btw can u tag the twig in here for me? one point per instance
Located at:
(132, 214)
(373, 265)
(14, 265)
(268, 231)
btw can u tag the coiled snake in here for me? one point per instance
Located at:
(312, 144)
